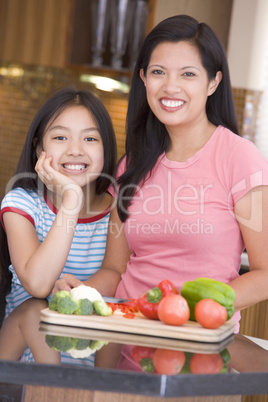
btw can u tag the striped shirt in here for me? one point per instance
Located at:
(88, 246)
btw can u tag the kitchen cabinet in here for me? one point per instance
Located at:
(35, 32)
(254, 320)
(49, 33)
(58, 33)
(46, 394)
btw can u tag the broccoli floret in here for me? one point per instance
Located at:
(81, 354)
(97, 345)
(102, 308)
(67, 305)
(85, 307)
(60, 343)
(81, 344)
(77, 347)
(93, 347)
(53, 301)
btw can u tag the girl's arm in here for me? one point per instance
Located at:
(37, 265)
(117, 255)
(21, 329)
(252, 214)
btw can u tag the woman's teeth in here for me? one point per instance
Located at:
(74, 167)
(171, 103)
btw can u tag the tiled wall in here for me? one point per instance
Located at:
(22, 91)
(247, 108)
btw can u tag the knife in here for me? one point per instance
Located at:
(108, 299)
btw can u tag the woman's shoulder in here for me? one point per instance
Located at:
(121, 166)
(224, 135)
(233, 145)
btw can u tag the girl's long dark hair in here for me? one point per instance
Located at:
(147, 138)
(25, 175)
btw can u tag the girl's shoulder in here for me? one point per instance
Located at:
(19, 194)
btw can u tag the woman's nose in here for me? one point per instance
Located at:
(172, 84)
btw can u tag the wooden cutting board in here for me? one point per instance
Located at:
(136, 339)
(190, 331)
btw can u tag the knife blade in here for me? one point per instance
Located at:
(109, 299)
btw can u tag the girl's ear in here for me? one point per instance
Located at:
(213, 85)
(38, 150)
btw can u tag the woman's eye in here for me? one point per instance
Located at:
(157, 72)
(189, 74)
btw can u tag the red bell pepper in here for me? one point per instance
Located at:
(126, 307)
(144, 356)
(129, 315)
(148, 302)
(167, 287)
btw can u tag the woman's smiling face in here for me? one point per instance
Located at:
(74, 142)
(177, 84)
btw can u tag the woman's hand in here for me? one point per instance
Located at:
(66, 282)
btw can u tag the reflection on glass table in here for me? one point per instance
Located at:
(114, 349)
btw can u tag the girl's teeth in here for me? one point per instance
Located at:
(171, 103)
(75, 167)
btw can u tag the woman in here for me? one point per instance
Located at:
(192, 193)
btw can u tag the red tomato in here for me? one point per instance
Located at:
(210, 314)
(173, 310)
(201, 363)
(168, 361)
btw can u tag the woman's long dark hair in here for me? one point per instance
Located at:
(25, 175)
(147, 138)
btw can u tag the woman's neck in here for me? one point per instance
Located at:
(186, 141)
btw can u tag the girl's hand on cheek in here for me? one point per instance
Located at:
(44, 170)
(52, 179)
(61, 185)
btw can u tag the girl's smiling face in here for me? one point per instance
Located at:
(74, 142)
(177, 84)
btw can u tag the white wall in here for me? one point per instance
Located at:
(248, 42)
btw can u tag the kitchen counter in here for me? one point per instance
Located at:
(245, 372)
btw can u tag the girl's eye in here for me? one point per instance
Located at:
(60, 138)
(90, 139)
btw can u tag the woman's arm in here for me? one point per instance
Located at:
(252, 214)
(115, 261)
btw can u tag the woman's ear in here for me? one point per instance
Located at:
(213, 85)
(142, 75)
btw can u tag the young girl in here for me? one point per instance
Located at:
(192, 193)
(56, 213)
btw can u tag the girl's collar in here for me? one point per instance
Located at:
(80, 220)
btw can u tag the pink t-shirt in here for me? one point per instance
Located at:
(181, 222)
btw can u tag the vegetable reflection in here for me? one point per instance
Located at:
(148, 359)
